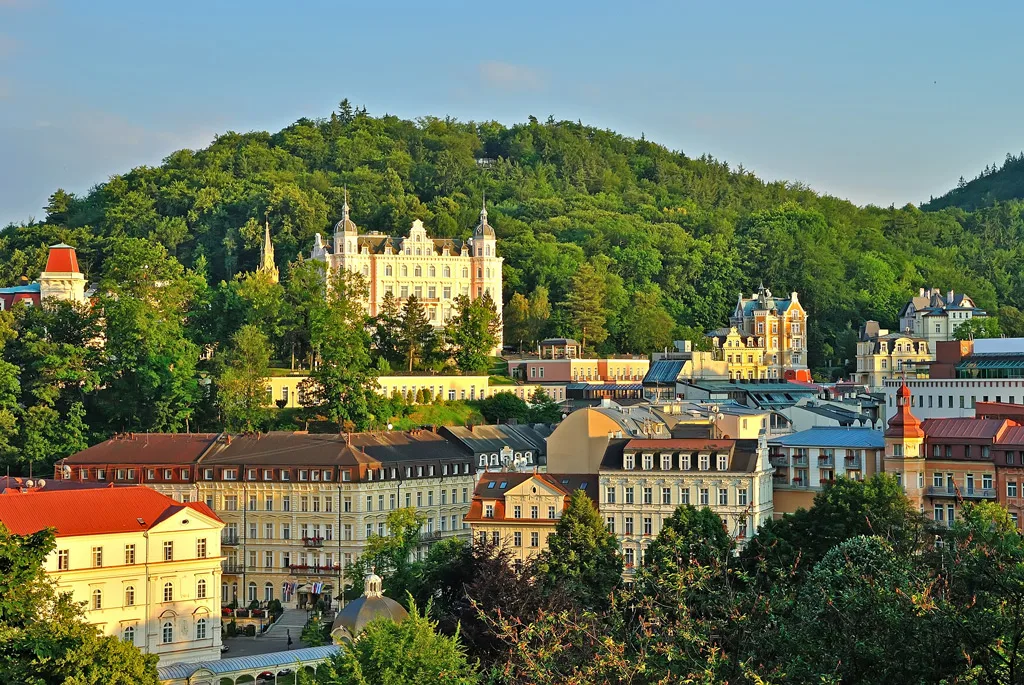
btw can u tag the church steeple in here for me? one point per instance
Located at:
(267, 264)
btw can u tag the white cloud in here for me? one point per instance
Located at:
(512, 77)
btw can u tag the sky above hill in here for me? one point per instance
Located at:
(878, 102)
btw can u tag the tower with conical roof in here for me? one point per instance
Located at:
(267, 264)
(62, 279)
(904, 447)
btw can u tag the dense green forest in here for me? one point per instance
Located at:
(632, 242)
(996, 183)
(690, 233)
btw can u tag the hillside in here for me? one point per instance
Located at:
(683, 235)
(994, 184)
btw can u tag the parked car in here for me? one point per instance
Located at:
(224, 648)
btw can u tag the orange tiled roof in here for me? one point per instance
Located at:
(62, 258)
(90, 511)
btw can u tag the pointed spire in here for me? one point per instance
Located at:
(267, 264)
(344, 207)
(483, 209)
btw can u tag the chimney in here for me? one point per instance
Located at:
(920, 292)
(949, 299)
(793, 296)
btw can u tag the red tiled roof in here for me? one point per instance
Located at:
(90, 511)
(962, 428)
(62, 258)
(681, 444)
(142, 448)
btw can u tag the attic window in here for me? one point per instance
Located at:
(565, 481)
(490, 486)
(504, 484)
(583, 485)
(345, 476)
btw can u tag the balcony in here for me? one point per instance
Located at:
(826, 460)
(779, 460)
(978, 493)
(312, 542)
(853, 462)
(232, 567)
(800, 460)
(297, 570)
(229, 539)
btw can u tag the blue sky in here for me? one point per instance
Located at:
(878, 102)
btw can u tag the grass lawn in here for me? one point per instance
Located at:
(454, 413)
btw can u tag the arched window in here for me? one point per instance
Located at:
(268, 592)
(487, 250)
(201, 629)
(419, 250)
(419, 271)
(97, 599)
(465, 272)
(234, 592)
(366, 269)
(129, 596)
(252, 591)
(479, 272)
(168, 632)
(201, 589)
(405, 270)
(129, 634)
(168, 592)
(432, 271)
(223, 591)
(447, 272)
(388, 270)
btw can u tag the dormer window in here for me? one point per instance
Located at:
(723, 462)
(648, 462)
(705, 462)
(629, 461)
(666, 462)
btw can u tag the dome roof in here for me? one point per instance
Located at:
(483, 229)
(371, 606)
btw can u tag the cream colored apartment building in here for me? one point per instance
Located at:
(435, 270)
(146, 568)
(298, 508)
(518, 511)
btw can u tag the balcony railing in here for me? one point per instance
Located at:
(229, 539)
(231, 567)
(853, 462)
(297, 570)
(800, 461)
(312, 542)
(966, 493)
(778, 459)
(826, 460)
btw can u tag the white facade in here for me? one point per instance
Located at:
(940, 398)
(934, 316)
(435, 270)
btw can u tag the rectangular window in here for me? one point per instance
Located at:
(286, 503)
(666, 495)
(201, 548)
(517, 512)
(628, 461)
(629, 495)
(610, 494)
(666, 462)
(62, 559)
(97, 557)
(551, 512)
(534, 512)
(741, 497)
(704, 497)
(129, 554)
(648, 525)
(1011, 488)
(168, 551)
(684, 495)
(517, 539)
(723, 497)
(628, 529)
(648, 496)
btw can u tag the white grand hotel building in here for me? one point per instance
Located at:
(435, 270)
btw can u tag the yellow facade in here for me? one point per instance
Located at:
(767, 338)
(285, 391)
(520, 518)
(886, 356)
(122, 580)
(273, 526)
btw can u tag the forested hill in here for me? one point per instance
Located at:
(676, 234)
(994, 184)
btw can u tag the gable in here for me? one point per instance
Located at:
(525, 488)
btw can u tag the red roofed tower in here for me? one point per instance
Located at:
(904, 442)
(62, 279)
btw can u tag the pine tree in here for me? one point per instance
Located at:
(585, 306)
(417, 335)
(517, 320)
(387, 330)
